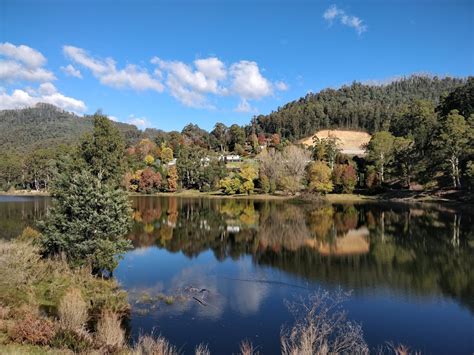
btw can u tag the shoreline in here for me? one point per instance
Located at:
(393, 196)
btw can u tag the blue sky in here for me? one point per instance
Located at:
(164, 64)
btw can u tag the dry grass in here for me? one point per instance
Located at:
(72, 310)
(4, 312)
(27, 279)
(321, 328)
(247, 348)
(109, 330)
(148, 345)
(399, 349)
(351, 142)
(202, 349)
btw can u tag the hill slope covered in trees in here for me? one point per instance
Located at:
(46, 126)
(358, 106)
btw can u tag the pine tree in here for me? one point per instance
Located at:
(91, 212)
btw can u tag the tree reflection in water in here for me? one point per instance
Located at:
(425, 251)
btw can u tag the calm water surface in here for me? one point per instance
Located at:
(410, 269)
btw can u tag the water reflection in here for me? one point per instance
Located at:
(218, 270)
(408, 249)
(17, 212)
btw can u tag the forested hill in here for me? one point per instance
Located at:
(47, 126)
(358, 106)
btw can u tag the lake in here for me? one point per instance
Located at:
(220, 271)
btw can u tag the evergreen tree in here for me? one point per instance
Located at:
(103, 150)
(90, 213)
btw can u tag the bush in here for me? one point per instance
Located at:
(321, 327)
(32, 330)
(202, 349)
(109, 330)
(230, 186)
(29, 234)
(319, 177)
(265, 183)
(247, 348)
(349, 179)
(147, 345)
(72, 311)
(78, 342)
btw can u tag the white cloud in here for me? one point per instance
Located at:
(14, 71)
(27, 55)
(248, 82)
(132, 76)
(113, 118)
(244, 106)
(190, 86)
(334, 13)
(22, 63)
(46, 92)
(212, 67)
(71, 71)
(281, 86)
(140, 122)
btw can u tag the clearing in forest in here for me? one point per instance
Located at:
(350, 142)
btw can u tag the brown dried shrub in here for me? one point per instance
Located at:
(32, 330)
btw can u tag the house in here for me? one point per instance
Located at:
(232, 158)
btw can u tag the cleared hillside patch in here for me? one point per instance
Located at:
(350, 142)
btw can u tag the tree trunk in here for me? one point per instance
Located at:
(458, 175)
(453, 171)
(381, 167)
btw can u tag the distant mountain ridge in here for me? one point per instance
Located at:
(45, 125)
(355, 107)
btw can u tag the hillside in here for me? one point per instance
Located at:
(358, 106)
(45, 126)
(350, 142)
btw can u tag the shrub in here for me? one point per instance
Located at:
(372, 179)
(246, 348)
(29, 234)
(78, 342)
(172, 178)
(72, 310)
(319, 177)
(230, 186)
(349, 179)
(149, 181)
(202, 349)
(32, 330)
(264, 183)
(321, 328)
(109, 330)
(147, 345)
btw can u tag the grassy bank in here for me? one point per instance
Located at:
(37, 299)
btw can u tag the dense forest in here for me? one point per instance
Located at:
(422, 138)
(358, 106)
(47, 126)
